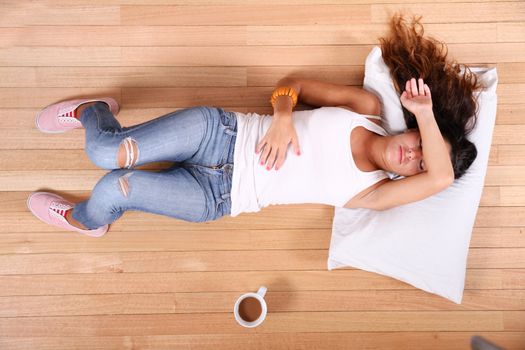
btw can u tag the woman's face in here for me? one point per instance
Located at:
(404, 153)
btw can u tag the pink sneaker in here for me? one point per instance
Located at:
(59, 117)
(50, 208)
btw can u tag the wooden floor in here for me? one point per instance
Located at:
(158, 283)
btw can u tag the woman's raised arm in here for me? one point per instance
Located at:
(440, 174)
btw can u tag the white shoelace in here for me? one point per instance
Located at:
(58, 210)
(68, 117)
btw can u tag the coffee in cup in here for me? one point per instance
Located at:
(250, 308)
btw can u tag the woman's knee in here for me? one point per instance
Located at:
(113, 189)
(101, 154)
(125, 155)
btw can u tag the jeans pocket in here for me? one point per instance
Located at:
(223, 205)
(228, 122)
(227, 133)
(219, 204)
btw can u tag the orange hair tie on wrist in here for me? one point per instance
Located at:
(284, 91)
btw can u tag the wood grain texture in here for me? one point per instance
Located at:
(214, 302)
(229, 56)
(166, 282)
(224, 323)
(158, 283)
(255, 340)
(213, 261)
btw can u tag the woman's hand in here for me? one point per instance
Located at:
(275, 142)
(416, 100)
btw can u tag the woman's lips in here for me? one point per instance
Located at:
(400, 154)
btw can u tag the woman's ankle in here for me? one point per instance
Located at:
(72, 221)
(80, 109)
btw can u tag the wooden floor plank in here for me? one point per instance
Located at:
(207, 240)
(447, 12)
(136, 77)
(212, 261)
(33, 13)
(184, 240)
(507, 196)
(172, 35)
(229, 3)
(251, 340)
(339, 279)
(142, 77)
(262, 14)
(228, 56)
(300, 301)
(224, 323)
(118, 77)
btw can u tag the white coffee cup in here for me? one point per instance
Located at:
(260, 297)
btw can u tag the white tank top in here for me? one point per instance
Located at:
(324, 173)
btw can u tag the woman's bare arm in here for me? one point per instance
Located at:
(319, 93)
(436, 156)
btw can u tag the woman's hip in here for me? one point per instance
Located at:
(218, 144)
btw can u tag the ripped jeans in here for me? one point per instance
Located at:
(201, 142)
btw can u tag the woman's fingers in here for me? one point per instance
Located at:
(413, 86)
(421, 87)
(260, 145)
(274, 153)
(264, 154)
(427, 90)
(273, 158)
(295, 144)
(408, 89)
(418, 88)
(280, 161)
(281, 157)
(268, 156)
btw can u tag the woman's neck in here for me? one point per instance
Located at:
(375, 151)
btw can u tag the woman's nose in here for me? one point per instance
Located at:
(414, 153)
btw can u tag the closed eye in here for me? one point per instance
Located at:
(421, 146)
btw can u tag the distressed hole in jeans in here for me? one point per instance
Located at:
(124, 184)
(128, 153)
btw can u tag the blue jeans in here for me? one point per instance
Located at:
(199, 140)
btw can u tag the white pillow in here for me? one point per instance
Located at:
(424, 243)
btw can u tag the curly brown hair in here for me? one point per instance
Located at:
(408, 54)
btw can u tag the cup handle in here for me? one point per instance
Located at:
(262, 291)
